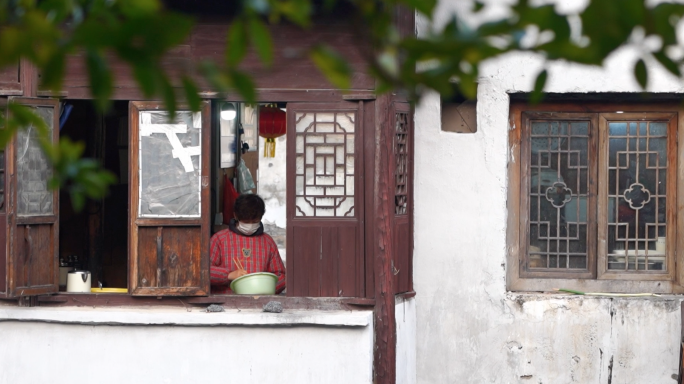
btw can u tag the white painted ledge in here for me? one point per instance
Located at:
(185, 317)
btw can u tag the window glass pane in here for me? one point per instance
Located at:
(323, 139)
(637, 168)
(558, 195)
(33, 169)
(170, 158)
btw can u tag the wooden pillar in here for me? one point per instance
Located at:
(384, 356)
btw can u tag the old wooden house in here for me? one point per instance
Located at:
(339, 201)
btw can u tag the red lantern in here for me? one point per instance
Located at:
(272, 124)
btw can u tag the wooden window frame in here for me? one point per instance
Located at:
(597, 279)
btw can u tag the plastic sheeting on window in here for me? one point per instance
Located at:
(245, 180)
(170, 164)
(33, 169)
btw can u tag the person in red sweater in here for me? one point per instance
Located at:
(246, 242)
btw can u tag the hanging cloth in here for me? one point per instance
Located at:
(229, 196)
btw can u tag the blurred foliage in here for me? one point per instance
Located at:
(445, 59)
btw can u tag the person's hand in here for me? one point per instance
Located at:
(236, 273)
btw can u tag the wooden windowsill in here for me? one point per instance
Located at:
(227, 301)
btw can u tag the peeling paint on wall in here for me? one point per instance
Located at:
(469, 328)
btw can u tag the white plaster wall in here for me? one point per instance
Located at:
(405, 317)
(272, 187)
(40, 352)
(469, 328)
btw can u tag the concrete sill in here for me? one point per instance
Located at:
(185, 317)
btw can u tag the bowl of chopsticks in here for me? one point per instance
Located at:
(259, 283)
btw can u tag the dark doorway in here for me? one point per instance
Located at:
(96, 238)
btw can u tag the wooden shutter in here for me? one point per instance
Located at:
(169, 201)
(325, 200)
(30, 216)
(401, 170)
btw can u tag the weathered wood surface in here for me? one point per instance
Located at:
(326, 254)
(168, 256)
(10, 81)
(227, 301)
(292, 69)
(32, 267)
(384, 357)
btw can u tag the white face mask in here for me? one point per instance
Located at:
(248, 229)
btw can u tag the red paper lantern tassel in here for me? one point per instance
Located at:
(269, 147)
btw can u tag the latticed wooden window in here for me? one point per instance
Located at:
(324, 176)
(598, 195)
(401, 154)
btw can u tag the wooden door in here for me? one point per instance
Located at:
(32, 208)
(169, 200)
(325, 200)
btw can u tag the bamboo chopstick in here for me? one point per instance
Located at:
(238, 263)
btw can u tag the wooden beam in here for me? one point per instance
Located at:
(29, 78)
(384, 356)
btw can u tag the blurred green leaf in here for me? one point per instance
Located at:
(539, 83)
(332, 65)
(100, 77)
(191, 94)
(244, 85)
(261, 37)
(668, 63)
(138, 8)
(236, 47)
(640, 73)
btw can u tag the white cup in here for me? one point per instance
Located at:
(660, 245)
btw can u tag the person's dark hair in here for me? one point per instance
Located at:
(249, 207)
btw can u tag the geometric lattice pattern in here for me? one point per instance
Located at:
(33, 169)
(559, 189)
(637, 170)
(324, 164)
(401, 153)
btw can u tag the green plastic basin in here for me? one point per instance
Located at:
(260, 283)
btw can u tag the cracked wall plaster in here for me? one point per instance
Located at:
(468, 326)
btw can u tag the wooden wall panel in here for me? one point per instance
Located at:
(10, 81)
(180, 260)
(327, 262)
(292, 68)
(147, 257)
(330, 262)
(177, 61)
(307, 245)
(351, 262)
(402, 254)
(32, 270)
(169, 257)
(3, 253)
(9, 74)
